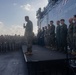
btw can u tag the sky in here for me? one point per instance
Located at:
(12, 14)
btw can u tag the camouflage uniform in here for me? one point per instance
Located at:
(42, 38)
(38, 37)
(70, 36)
(10, 43)
(42, 35)
(45, 37)
(58, 37)
(29, 35)
(2, 43)
(63, 37)
(52, 35)
(48, 36)
(74, 37)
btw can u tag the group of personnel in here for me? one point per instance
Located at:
(57, 37)
(60, 37)
(10, 43)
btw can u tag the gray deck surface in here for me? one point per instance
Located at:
(12, 63)
(43, 54)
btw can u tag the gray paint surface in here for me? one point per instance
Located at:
(12, 63)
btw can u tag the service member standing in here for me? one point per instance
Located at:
(45, 36)
(42, 37)
(74, 35)
(52, 35)
(63, 35)
(70, 33)
(58, 35)
(28, 35)
(38, 36)
(48, 35)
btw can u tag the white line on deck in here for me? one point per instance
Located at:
(25, 57)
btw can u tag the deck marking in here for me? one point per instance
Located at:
(25, 57)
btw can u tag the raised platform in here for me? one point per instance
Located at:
(43, 54)
(47, 62)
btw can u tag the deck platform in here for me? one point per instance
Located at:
(44, 61)
(43, 54)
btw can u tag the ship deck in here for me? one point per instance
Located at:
(12, 63)
(17, 63)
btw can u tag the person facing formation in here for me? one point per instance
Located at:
(28, 35)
